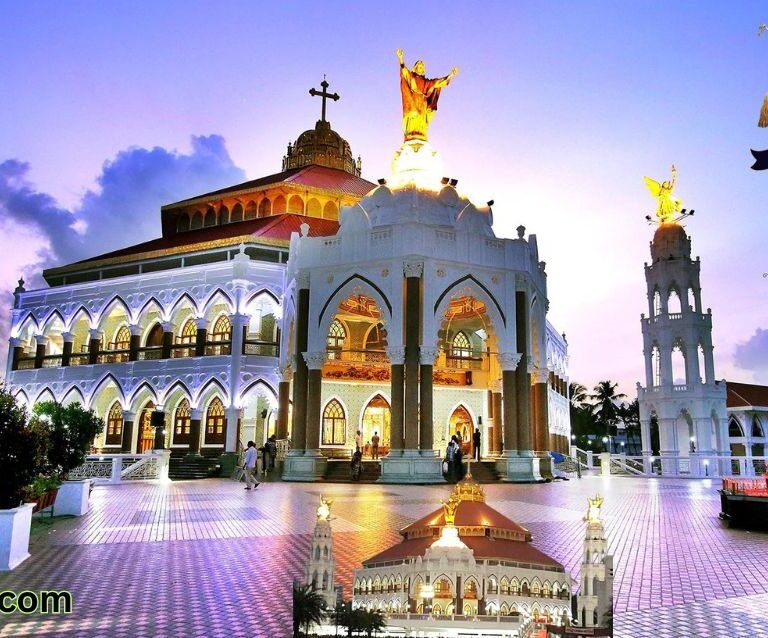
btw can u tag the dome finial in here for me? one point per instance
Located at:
(324, 95)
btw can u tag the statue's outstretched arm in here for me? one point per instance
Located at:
(441, 82)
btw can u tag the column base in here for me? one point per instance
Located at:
(304, 465)
(513, 468)
(418, 467)
(545, 466)
(670, 463)
(228, 461)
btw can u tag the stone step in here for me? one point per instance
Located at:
(193, 467)
(341, 472)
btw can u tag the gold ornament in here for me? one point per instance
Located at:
(667, 205)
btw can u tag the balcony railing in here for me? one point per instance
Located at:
(357, 356)
(218, 348)
(464, 363)
(150, 353)
(260, 348)
(113, 356)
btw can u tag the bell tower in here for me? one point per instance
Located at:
(681, 393)
(595, 599)
(321, 565)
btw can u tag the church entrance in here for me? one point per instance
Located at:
(461, 425)
(146, 431)
(376, 418)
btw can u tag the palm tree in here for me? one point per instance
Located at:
(308, 608)
(577, 394)
(629, 413)
(372, 621)
(605, 408)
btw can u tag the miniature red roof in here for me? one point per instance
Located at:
(742, 395)
(278, 229)
(313, 176)
(468, 513)
(484, 548)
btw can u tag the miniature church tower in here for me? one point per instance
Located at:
(321, 566)
(595, 599)
(680, 387)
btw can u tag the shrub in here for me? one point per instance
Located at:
(21, 451)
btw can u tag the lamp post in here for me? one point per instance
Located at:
(427, 593)
(605, 443)
(693, 444)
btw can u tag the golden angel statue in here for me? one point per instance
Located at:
(668, 205)
(420, 96)
(324, 511)
(593, 513)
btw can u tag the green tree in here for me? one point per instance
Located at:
(21, 451)
(372, 621)
(70, 429)
(582, 419)
(629, 414)
(308, 608)
(605, 407)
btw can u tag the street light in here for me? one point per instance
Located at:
(693, 444)
(605, 443)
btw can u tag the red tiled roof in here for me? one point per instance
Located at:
(484, 548)
(468, 514)
(277, 228)
(741, 395)
(313, 176)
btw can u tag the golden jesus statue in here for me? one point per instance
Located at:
(420, 96)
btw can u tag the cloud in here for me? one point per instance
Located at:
(123, 210)
(752, 355)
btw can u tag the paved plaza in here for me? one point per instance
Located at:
(207, 558)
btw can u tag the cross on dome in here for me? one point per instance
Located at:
(324, 95)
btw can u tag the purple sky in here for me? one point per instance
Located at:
(559, 110)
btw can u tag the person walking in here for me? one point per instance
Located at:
(359, 442)
(249, 465)
(272, 447)
(375, 446)
(476, 444)
(264, 459)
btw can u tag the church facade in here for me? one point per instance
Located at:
(308, 304)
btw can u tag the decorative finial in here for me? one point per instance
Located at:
(593, 513)
(449, 508)
(304, 229)
(520, 231)
(324, 510)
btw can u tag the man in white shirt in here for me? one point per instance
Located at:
(249, 465)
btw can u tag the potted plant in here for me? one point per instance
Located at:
(70, 431)
(20, 455)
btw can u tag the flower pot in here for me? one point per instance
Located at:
(72, 499)
(46, 500)
(15, 525)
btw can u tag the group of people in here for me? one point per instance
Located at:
(251, 459)
(356, 464)
(453, 463)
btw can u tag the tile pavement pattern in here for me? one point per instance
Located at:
(207, 558)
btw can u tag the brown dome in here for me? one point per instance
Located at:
(670, 242)
(321, 146)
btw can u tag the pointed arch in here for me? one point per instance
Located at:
(46, 394)
(145, 307)
(74, 316)
(334, 424)
(210, 301)
(29, 320)
(177, 387)
(484, 295)
(263, 291)
(107, 378)
(144, 387)
(22, 397)
(107, 309)
(271, 393)
(51, 317)
(181, 299)
(76, 396)
(203, 395)
(735, 429)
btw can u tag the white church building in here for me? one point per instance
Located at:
(310, 304)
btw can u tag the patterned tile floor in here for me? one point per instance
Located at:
(207, 558)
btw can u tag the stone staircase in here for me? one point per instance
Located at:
(484, 471)
(339, 471)
(187, 468)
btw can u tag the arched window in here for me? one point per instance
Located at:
(470, 589)
(334, 424)
(314, 209)
(330, 211)
(215, 423)
(757, 428)
(114, 425)
(734, 428)
(493, 586)
(535, 588)
(237, 213)
(296, 205)
(251, 210)
(223, 215)
(461, 351)
(335, 340)
(278, 206)
(154, 338)
(182, 223)
(674, 305)
(210, 217)
(525, 590)
(504, 586)
(182, 422)
(265, 207)
(656, 365)
(197, 220)
(122, 339)
(222, 329)
(656, 303)
(188, 332)
(443, 588)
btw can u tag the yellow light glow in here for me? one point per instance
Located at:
(449, 538)
(418, 164)
(593, 514)
(324, 511)
(667, 206)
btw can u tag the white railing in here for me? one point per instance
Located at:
(117, 468)
(626, 465)
(584, 457)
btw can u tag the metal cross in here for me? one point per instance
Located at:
(324, 94)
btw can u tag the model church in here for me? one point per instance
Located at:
(311, 304)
